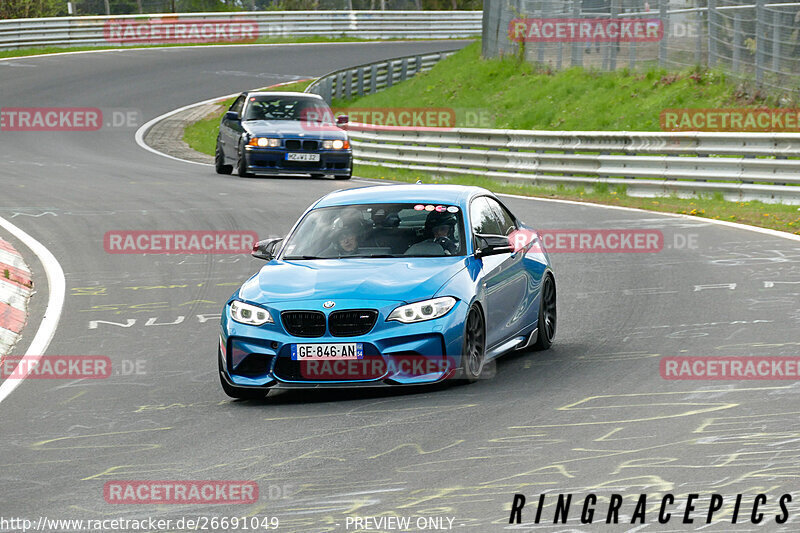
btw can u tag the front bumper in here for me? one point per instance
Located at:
(393, 353)
(273, 161)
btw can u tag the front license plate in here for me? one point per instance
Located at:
(293, 156)
(312, 352)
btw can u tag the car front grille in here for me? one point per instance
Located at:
(345, 323)
(304, 323)
(352, 322)
(297, 144)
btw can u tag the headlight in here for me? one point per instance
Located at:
(420, 311)
(249, 314)
(263, 142)
(336, 144)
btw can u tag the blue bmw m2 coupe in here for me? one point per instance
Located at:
(388, 285)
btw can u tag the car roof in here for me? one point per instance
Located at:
(288, 93)
(422, 193)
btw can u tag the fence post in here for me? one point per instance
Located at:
(360, 85)
(485, 29)
(761, 51)
(373, 78)
(404, 69)
(613, 47)
(737, 42)
(339, 84)
(349, 87)
(712, 33)
(662, 46)
(576, 59)
(418, 63)
(776, 41)
(698, 51)
(389, 73)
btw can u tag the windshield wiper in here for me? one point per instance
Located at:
(373, 255)
(290, 257)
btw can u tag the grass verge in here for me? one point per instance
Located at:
(518, 95)
(202, 135)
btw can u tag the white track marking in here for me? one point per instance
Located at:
(56, 285)
(202, 46)
(142, 131)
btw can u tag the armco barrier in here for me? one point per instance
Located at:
(741, 166)
(372, 77)
(91, 31)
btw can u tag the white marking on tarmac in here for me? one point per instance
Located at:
(55, 303)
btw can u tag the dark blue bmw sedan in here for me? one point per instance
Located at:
(282, 133)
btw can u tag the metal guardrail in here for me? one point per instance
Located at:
(372, 77)
(741, 166)
(90, 31)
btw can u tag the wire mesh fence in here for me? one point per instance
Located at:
(750, 39)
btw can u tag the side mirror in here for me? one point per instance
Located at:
(232, 115)
(342, 119)
(266, 249)
(491, 245)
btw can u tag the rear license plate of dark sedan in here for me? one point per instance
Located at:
(347, 350)
(292, 156)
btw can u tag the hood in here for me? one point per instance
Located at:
(394, 279)
(293, 128)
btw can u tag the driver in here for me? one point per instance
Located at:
(345, 236)
(439, 228)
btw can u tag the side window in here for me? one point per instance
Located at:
(507, 222)
(238, 105)
(482, 217)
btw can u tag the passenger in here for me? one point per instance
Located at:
(439, 230)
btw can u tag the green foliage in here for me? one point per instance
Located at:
(15, 9)
(520, 95)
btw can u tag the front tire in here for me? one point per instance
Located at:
(346, 177)
(238, 393)
(219, 162)
(474, 352)
(547, 315)
(241, 165)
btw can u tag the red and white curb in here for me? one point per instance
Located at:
(15, 290)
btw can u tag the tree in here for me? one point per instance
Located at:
(15, 9)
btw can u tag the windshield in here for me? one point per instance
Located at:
(267, 107)
(378, 230)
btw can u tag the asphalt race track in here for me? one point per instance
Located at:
(592, 415)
